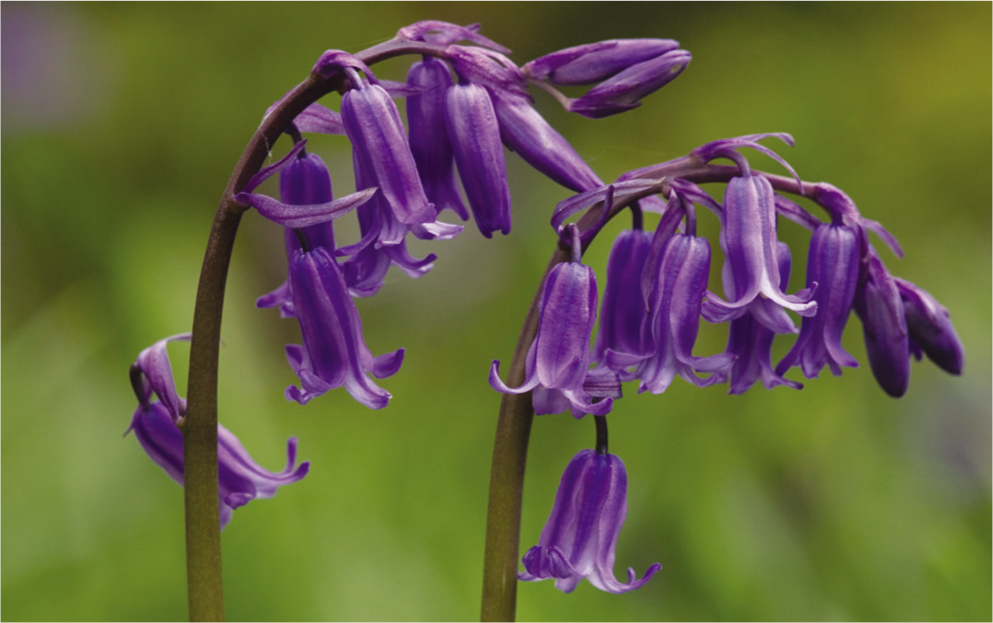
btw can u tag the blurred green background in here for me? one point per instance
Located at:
(121, 124)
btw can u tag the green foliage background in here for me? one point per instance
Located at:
(834, 502)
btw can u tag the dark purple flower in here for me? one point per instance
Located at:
(304, 181)
(475, 137)
(559, 357)
(333, 352)
(748, 238)
(930, 327)
(429, 142)
(593, 62)
(880, 308)
(580, 538)
(373, 125)
(674, 318)
(833, 265)
(625, 90)
(624, 308)
(526, 133)
(240, 478)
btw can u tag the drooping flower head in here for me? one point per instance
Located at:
(580, 538)
(558, 362)
(156, 426)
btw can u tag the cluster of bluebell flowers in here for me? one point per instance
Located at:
(466, 105)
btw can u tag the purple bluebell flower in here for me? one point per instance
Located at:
(931, 330)
(304, 181)
(833, 265)
(155, 425)
(475, 136)
(445, 33)
(333, 351)
(526, 132)
(559, 357)
(429, 142)
(580, 538)
(625, 90)
(593, 62)
(750, 335)
(880, 308)
(748, 238)
(624, 307)
(373, 125)
(674, 318)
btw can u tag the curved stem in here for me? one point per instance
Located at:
(203, 539)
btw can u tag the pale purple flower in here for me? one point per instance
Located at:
(559, 357)
(833, 265)
(593, 62)
(580, 538)
(155, 425)
(880, 307)
(931, 330)
(748, 239)
(475, 137)
(333, 353)
(429, 142)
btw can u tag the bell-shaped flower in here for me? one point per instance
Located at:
(833, 265)
(880, 308)
(748, 238)
(625, 90)
(333, 353)
(750, 336)
(475, 137)
(373, 125)
(674, 318)
(580, 538)
(429, 142)
(930, 327)
(624, 307)
(155, 425)
(593, 62)
(559, 357)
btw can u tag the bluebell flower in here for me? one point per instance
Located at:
(333, 353)
(625, 90)
(557, 366)
(832, 264)
(156, 426)
(751, 334)
(429, 142)
(475, 136)
(930, 327)
(624, 307)
(676, 299)
(880, 308)
(748, 239)
(373, 125)
(593, 62)
(580, 538)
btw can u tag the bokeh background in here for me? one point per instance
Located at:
(121, 124)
